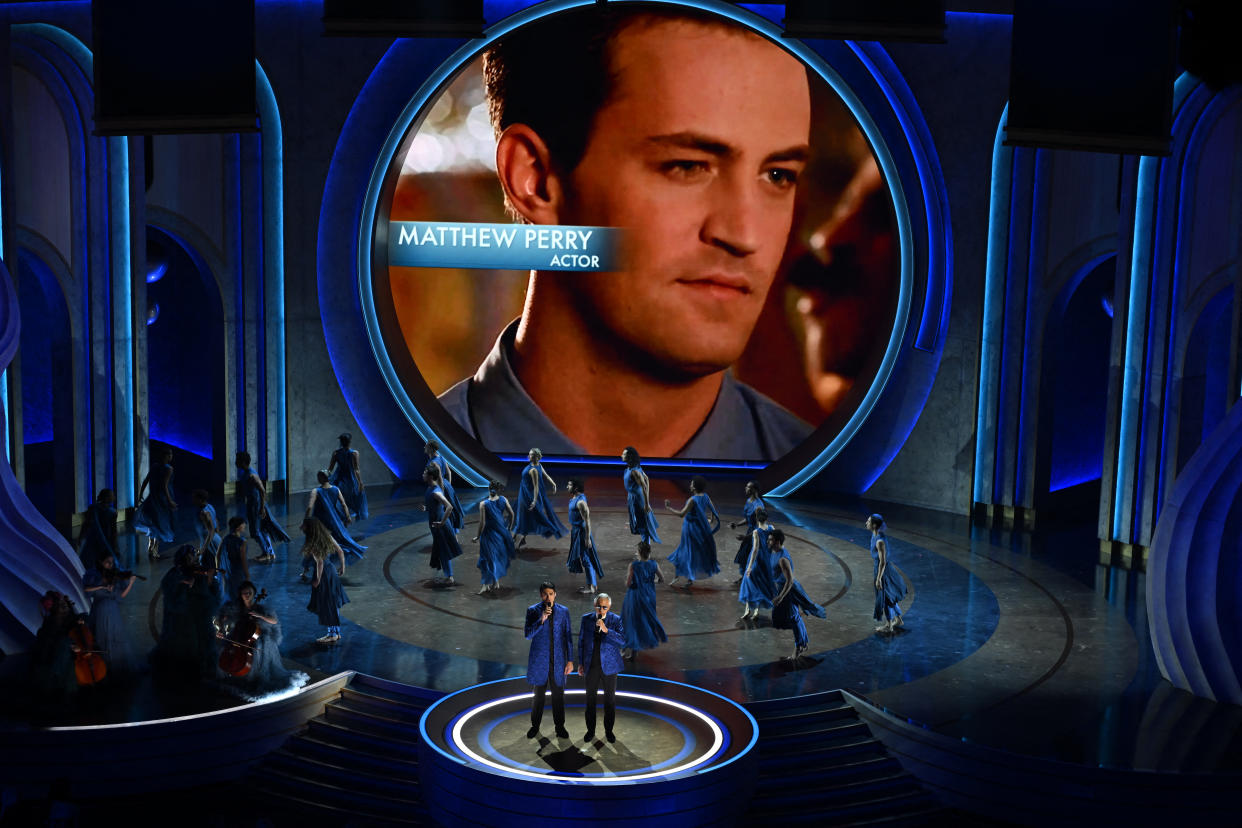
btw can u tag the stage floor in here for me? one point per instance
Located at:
(1015, 641)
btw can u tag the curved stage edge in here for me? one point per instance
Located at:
(683, 756)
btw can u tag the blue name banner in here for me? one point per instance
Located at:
(502, 246)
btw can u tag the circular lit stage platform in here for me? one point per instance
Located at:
(683, 756)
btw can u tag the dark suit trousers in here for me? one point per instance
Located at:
(558, 702)
(594, 678)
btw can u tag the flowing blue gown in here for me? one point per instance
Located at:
(267, 672)
(155, 513)
(327, 509)
(98, 534)
(234, 548)
(787, 615)
(892, 588)
(695, 556)
(186, 639)
(212, 556)
(642, 521)
(743, 546)
(760, 586)
(455, 519)
(327, 599)
(495, 543)
(542, 520)
(643, 630)
(343, 475)
(106, 623)
(263, 529)
(213, 543)
(582, 554)
(444, 545)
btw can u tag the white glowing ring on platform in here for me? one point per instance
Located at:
(717, 742)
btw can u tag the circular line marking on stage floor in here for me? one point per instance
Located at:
(718, 742)
(688, 741)
(846, 572)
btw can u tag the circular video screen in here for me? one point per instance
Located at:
(632, 225)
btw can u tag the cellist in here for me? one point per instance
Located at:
(52, 679)
(265, 673)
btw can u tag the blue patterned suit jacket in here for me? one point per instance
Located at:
(562, 644)
(610, 653)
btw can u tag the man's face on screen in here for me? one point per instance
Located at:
(696, 154)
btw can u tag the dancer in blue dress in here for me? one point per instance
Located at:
(343, 466)
(251, 489)
(758, 589)
(327, 595)
(753, 501)
(267, 674)
(582, 554)
(495, 542)
(154, 516)
(186, 645)
(233, 553)
(643, 630)
(791, 602)
(326, 504)
(432, 450)
(444, 546)
(98, 536)
(638, 497)
(535, 515)
(889, 586)
(106, 586)
(695, 556)
(207, 527)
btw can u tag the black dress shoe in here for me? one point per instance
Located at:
(562, 733)
(589, 736)
(532, 733)
(610, 737)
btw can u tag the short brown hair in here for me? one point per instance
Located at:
(554, 74)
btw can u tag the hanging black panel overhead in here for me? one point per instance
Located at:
(1093, 76)
(403, 18)
(164, 67)
(916, 20)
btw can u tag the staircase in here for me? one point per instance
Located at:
(356, 764)
(820, 765)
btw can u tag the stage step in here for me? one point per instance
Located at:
(357, 763)
(820, 765)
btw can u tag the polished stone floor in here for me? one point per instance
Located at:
(1011, 640)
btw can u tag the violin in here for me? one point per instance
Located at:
(88, 663)
(122, 574)
(239, 645)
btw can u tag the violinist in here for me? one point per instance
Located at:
(204, 599)
(106, 585)
(233, 551)
(188, 606)
(208, 529)
(264, 673)
(98, 536)
(52, 679)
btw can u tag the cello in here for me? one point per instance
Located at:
(88, 664)
(239, 644)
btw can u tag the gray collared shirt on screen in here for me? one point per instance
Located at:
(496, 410)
